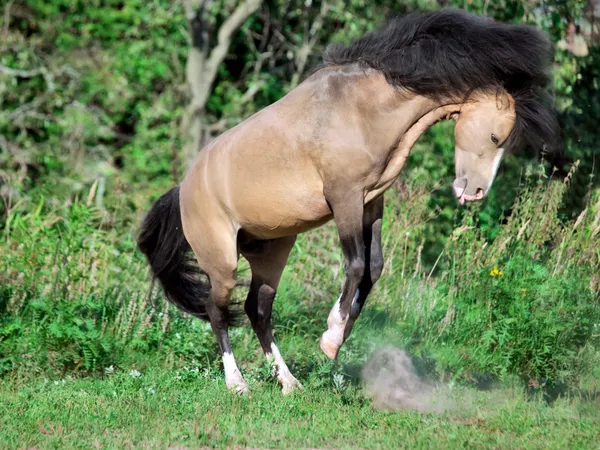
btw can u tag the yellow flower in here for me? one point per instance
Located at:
(495, 272)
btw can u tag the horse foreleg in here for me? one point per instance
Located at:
(372, 221)
(348, 212)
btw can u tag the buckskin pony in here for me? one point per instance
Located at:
(329, 149)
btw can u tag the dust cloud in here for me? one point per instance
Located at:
(392, 383)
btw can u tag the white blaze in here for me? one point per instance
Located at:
(495, 166)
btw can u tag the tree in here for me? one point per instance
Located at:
(203, 64)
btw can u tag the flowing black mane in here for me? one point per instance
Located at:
(452, 53)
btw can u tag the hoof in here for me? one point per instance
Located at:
(329, 348)
(237, 384)
(291, 386)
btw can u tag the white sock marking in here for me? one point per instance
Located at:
(336, 324)
(282, 369)
(284, 376)
(233, 376)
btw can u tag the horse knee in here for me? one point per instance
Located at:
(355, 269)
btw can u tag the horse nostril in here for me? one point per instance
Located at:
(459, 185)
(479, 193)
(458, 191)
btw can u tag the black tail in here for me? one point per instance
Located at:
(162, 240)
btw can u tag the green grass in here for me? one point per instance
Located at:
(77, 323)
(162, 408)
(468, 292)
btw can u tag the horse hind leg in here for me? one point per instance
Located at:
(215, 248)
(219, 315)
(267, 262)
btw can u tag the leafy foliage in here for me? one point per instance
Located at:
(89, 134)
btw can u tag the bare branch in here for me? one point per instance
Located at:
(233, 22)
(31, 74)
(202, 67)
(191, 6)
(7, 16)
(252, 91)
(49, 79)
(23, 110)
(309, 43)
(190, 11)
(221, 125)
(20, 73)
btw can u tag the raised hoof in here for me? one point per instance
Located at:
(329, 348)
(291, 386)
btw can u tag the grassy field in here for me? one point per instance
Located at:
(160, 408)
(501, 295)
(90, 357)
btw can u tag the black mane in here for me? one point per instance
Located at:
(451, 54)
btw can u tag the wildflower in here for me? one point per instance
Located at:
(135, 374)
(495, 272)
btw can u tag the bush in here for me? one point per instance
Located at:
(525, 302)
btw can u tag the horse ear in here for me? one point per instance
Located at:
(504, 101)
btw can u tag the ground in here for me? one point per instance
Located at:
(189, 409)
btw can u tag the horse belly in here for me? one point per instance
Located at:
(280, 212)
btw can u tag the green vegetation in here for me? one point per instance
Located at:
(187, 409)
(91, 354)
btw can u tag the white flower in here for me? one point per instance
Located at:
(135, 374)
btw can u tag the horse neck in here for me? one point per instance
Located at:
(391, 119)
(386, 118)
(437, 113)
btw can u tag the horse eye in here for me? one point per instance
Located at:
(494, 139)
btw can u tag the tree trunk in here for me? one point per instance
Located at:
(203, 65)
